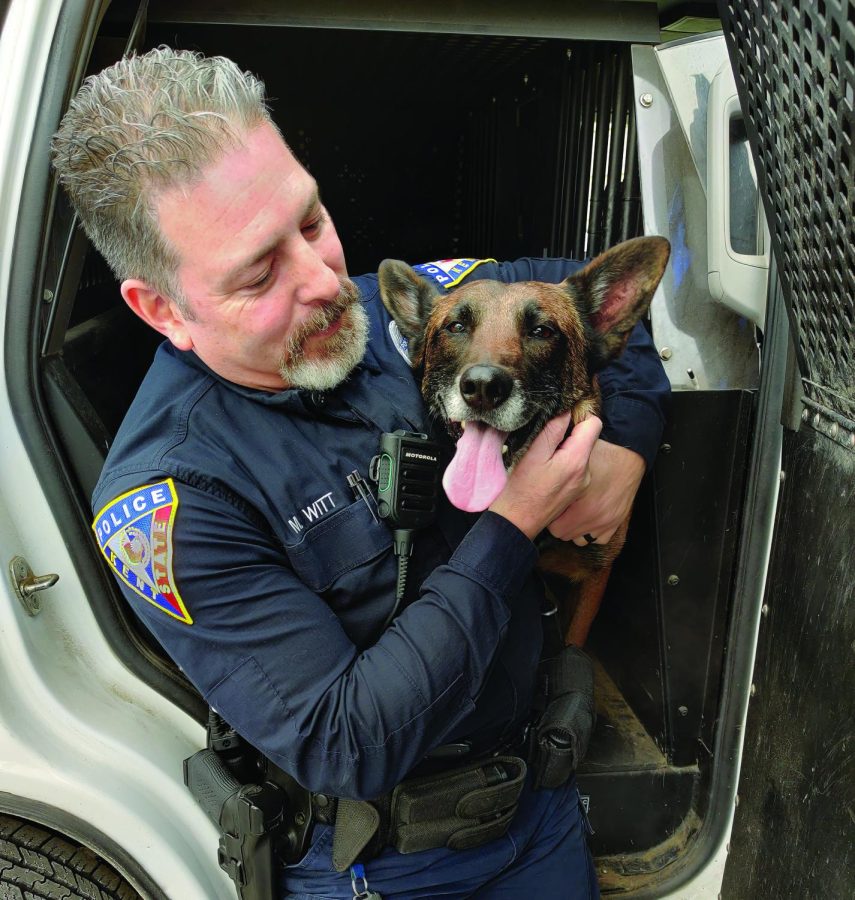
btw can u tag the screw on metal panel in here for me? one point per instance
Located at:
(673, 580)
(764, 609)
(683, 710)
(525, 79)
(832, 432)
(47, 296)
(646, 100)
(665, 448)
(569, 53)
(816, 421)
(665, 353)
(300, 818)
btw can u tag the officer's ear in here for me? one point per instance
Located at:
(158, 311)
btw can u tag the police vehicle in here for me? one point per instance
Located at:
(722, 764)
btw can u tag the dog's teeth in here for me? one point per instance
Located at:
(463, 426)
(504, 449)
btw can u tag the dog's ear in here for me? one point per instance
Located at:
(614, 291)
(408, 297)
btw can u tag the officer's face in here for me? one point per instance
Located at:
(263, 271)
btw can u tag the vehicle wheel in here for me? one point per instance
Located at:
(36, 862)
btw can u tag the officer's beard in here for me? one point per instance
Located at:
(321, 366)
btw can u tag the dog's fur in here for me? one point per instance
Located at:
(515, 355)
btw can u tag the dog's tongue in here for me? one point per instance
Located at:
(476, 475)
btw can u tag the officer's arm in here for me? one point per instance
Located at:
(273, 659)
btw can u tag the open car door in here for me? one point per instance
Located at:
(794, 65)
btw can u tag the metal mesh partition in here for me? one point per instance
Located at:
(794, 64)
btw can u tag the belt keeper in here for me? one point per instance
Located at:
(356, 823)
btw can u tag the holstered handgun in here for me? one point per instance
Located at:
(263, 823)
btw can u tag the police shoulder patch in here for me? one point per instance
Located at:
(448, 273)
(134, 532)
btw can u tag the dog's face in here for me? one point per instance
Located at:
(497, 361)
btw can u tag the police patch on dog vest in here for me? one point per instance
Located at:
(134, 532)
(448, 273)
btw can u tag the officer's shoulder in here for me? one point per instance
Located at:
(155, 420)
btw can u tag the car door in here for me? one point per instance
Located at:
(792, 834)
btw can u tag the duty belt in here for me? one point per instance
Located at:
(459, 808)
(473, 802)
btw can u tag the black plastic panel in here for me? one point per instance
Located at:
(631, 812)
(660, 633)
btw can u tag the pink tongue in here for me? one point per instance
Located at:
(476, 475)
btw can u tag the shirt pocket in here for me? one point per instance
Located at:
(340, 543)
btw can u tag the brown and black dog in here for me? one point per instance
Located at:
(496, 361)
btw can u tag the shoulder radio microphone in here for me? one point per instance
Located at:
(407, 472)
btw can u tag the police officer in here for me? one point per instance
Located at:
(226, 509)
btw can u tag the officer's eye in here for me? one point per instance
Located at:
(455, 327)
(542, 332)
(311, 229)
(260, 282)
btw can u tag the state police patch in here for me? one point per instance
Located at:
(448, 273)
(134, 532)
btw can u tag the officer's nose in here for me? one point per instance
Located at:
(485, 387)
(318, 281)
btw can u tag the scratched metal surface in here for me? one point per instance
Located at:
(794, 830)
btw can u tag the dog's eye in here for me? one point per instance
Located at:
(542, 331)
(455, 327)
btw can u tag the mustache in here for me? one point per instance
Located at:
(322, 318)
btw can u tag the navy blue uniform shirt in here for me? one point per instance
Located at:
(226, 514)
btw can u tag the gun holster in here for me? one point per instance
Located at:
(263, 824)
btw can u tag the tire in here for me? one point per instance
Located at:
(37, 863)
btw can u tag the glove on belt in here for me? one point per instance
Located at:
(562, 733)
(458, 809)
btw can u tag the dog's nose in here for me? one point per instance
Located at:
(485, 387)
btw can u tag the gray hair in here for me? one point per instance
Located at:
(142, 126)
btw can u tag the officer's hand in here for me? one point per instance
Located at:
(615, 474)
(550, 476)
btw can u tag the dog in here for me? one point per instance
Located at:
(497, 361)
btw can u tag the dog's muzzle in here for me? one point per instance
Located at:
(485, 387)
